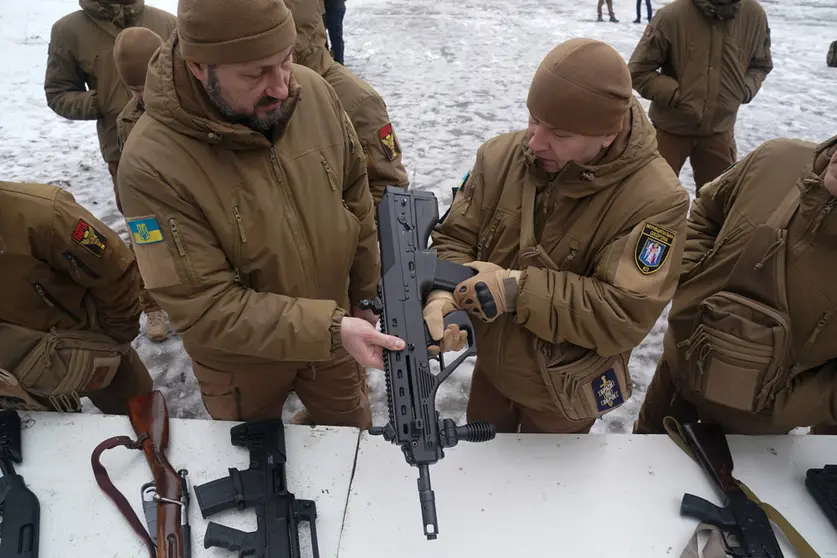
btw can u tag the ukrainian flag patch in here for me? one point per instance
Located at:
(145, 230)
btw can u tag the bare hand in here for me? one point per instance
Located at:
(365, 343)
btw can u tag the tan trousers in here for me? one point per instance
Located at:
(609, 7)
(333, 392)
(487, 403)
(131, 378)
(710, 155)
(147, 302)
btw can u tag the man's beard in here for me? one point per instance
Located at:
(253, 121)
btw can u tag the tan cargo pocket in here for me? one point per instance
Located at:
(219, 394)
(735, 356)
(590, 386)
(13, 396)
(65, 365)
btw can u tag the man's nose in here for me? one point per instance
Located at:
(537, 139)
(277, 86)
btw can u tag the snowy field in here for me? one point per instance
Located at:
(454, 73)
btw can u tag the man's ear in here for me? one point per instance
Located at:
(198, 70)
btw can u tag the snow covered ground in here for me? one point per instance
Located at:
(454, 74)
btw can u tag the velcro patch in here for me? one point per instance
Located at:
(606, 391)
(85, 235)
(389, 142)
(652, 248)
(145, 230)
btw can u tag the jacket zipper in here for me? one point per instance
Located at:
(79, 265)
(293, 219)
(181, 248)
(332, 179)
(53, 302)
(489, 236)
(242, 238)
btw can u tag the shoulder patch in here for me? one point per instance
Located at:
(85, 235)
(652, 248)
(389, 142)
(606, 391)
(145, 230)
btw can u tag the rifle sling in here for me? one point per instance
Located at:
(104, 482)
(798, 542)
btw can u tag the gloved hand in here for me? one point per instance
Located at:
(438, 305)
(490, 293)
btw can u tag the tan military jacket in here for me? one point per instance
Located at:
(81, 81)
(365, 107)
(250, 245)
(600, 246)
(127, 120)
(721, 238)
(697, 69)
(62, 267)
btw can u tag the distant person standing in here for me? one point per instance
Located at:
(333, 19)
(81, 81)
(694, 106)
(609, 11)
(639, 10)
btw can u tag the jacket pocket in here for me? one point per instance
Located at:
(64, 365)
(590, 386)
(735, 357)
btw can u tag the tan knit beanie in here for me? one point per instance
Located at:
(583, 87)
(233, 31)
(132, 50)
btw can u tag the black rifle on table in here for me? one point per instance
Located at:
(265, 487)
(409, 271)
(21, 511)
(740, 517)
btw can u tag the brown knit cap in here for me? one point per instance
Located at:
(583, 87)
(233, 31)
(132, 50)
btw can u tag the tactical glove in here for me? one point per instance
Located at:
(490, 293)
(439, 304)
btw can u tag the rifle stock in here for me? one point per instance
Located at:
(740, 516)
(150, 420)
(21, 511)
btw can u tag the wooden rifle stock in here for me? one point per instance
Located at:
(150, 419)
(711, 448)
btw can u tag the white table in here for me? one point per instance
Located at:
(568, 496)
(78, 519)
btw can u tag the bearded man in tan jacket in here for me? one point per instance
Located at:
(576, 229)
(245, 190)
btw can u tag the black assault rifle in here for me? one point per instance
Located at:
(409, 271)
(265, 487)
(741, 517)
(21, 513)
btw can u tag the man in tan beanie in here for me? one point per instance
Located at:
(698, 62)
(365, 107)
(131, 52)
(576, 228)
(81, 82)
(246, 195)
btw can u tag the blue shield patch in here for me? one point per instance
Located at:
(606, 391)
(652, 248)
